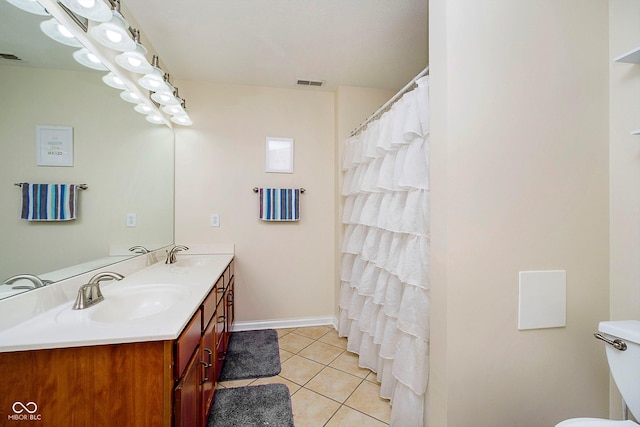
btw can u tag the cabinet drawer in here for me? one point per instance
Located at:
(209, 304)
(187, 343)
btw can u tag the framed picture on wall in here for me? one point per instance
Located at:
(54, 146)
(279, 155)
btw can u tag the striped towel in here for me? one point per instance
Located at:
(279, 204)
(49, 202)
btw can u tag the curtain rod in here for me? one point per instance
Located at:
(391, 101)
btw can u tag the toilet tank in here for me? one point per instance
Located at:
(625, 365)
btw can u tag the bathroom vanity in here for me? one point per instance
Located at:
(148, 355)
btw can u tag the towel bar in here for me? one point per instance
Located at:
(80, 186)
(256, 189)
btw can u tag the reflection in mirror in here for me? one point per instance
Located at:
(126, 162)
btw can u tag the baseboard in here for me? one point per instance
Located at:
(285, 323)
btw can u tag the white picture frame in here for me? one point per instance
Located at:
(54, 146)
(279, 155)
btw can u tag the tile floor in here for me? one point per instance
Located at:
(327, 387)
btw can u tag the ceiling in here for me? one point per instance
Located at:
(369, 43)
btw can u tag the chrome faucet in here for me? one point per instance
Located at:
(90, 294)
(139, 249)
(171, 255)
(37, 282)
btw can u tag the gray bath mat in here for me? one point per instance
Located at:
(251, 354)
(252, 406)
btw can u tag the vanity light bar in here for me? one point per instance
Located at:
(103, 54)
(113, 33)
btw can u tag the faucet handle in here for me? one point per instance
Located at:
(82, 301)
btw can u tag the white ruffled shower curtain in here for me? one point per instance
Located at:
(384, 297)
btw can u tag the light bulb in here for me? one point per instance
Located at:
(113, 36)
(183, 120)
(173, 109)
(93, 58)
(130, 97)
(142, 109)
(155, 118)
(134, 62)
(114, 81)
(63, 30)
(91, 9)
(88, 59)
(59, 33)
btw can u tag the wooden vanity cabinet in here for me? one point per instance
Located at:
(141, 384)
(104, 385)
(215, 319)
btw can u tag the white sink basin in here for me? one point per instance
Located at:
(137, 302)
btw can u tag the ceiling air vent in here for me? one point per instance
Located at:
(316, 83)
(9, 56)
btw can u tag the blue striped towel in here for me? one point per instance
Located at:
(279, 204)
(49, 202)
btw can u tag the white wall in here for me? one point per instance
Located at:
(519, 182)
(624, 167)
(283, 270)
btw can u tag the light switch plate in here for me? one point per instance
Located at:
(542, 300)
(131, 220)
(215, 220)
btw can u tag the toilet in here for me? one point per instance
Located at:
(625, 370)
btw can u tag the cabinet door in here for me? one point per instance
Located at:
(187, 408)
(209, 366)
(230, 312)
(187, 342)
(219, 334)
(210, 303)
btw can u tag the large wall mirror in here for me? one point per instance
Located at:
(126, 162)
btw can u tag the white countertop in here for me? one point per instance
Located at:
(193, 276)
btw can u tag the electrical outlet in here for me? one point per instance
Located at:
(131, 220)
(215, 220)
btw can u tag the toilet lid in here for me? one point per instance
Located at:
(596, 422)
